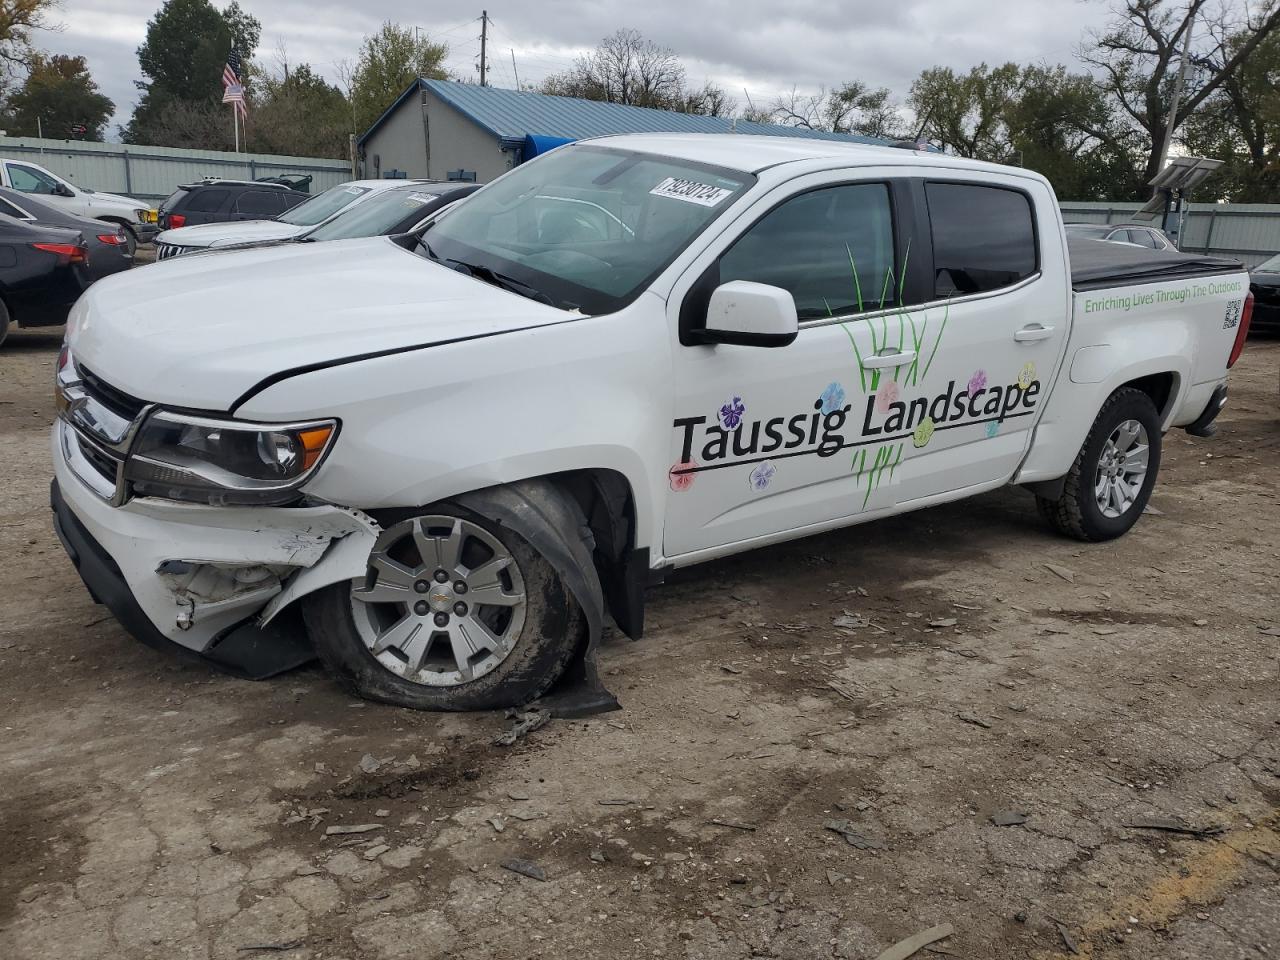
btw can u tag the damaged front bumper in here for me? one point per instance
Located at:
(210, 579)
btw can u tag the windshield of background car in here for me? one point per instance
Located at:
(322, 206)
(375, 216)
(1087, 230)
(587, 226)
(1271, 265)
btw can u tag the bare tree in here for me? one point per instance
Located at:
(627, 68)
(853, 107)
(1136, 56)
(17, 19)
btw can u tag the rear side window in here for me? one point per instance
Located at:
(1143, 238)
(205, 201)
(260, 201)
(172, 201)
(831, 248)
(984, 237)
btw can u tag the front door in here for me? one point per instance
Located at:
(767, 440)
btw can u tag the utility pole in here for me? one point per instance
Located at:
(484, 45)
(1183, 70)
(513, 67)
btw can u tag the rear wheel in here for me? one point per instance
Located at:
(454, 613)
(4, 322)
(1111, 480)
(130, 240)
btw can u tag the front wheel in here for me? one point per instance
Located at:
(454, 613)
(1111, 480)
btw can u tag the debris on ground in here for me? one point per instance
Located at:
(526, 721)
(373, 853)
(850, 621)
(733, 824)
(943, 623)
(339, 829)
(912, 945)
(852, 835)
(975, 720)
(526, 868)
(598, 856)
(1173, 826)
(370, 764)
(1008, 818)
(1066, 573)
(1067, 940)
(498, 824)
(730, 668)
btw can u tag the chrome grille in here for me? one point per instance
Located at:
(166, 251)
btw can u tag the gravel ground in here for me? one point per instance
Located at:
(151, 808)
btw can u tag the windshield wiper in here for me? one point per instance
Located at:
(489, 275)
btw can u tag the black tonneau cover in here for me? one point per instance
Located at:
(1101, 263)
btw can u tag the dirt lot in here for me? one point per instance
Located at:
(154, 809)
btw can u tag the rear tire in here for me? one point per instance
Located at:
(541, 633)
(1105, 493)
(130, 240)
(4, 322)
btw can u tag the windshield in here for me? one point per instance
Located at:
(375, 216)
(322, 206)
(1271, 265)
(586, 227)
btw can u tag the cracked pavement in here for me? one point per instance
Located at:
(152, 808)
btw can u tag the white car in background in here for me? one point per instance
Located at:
(27, 177)
(319, 209)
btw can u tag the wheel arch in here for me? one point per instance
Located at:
(1161, 387)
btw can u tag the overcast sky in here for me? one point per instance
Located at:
(765, 46)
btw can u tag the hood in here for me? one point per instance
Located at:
(116, 198)
(201, 332)
(222, 234)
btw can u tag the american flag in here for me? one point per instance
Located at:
(233, 89)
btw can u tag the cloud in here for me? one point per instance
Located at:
(762, 45)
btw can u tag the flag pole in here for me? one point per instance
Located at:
(235, 125)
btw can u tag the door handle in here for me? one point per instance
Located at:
(1033, 331)
(881, 360)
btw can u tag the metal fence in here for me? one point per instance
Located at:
(1249, 232)
(152, 173)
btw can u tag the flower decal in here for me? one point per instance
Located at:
(993, 428)
(762, 474)
(977, 382)
(923, 432)
(682, 474)
(731, 413)
(887, 394)
(1028, 375)
(832, 398)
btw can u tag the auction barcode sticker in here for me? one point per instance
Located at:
(690, 191)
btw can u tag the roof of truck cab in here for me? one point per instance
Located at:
(755, 153)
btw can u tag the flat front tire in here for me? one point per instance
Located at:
(455, 612)
(1111, 479)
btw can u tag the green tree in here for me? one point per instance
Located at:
(17, 19)
(389, 61)
(1044, 118)
(60, 94)
(298, 113)
(186, 46)
(1137, 57)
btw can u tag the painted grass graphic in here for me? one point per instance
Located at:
(886, 457)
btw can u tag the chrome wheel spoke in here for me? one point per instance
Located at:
(394, 582)
(1135, 461)
(485, 586)
(439, 552)
(401, 633)
(1126, 434)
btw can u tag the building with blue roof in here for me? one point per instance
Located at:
(445, 130)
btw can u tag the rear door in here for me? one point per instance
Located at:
(989, 339)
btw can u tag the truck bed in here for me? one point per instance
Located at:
(1101, 263)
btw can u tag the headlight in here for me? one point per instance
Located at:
(225, 461)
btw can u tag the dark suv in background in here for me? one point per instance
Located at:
(220, 201)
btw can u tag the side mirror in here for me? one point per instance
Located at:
(751, 315)
(63, 190)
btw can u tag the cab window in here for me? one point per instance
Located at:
(984, 237)
(30, 180)
(832, 249)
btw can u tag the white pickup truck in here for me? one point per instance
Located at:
(440, 463)
(125, 212)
